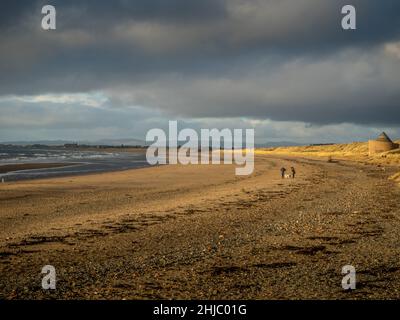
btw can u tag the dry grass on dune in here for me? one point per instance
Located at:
(357, 151)
(350, 149)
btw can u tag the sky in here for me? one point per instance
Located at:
(116, 69)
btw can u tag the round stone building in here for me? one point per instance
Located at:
(381, 144)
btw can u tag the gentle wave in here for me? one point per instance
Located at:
(83, 162)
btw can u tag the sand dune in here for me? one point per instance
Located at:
(356, 151)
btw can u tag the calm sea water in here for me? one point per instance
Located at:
(82, 162)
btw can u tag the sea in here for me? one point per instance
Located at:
(77, 161)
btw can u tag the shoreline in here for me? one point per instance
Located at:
(62, 176)
(7, 168)
(54, 162)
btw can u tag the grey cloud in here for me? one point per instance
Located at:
(285, 60)
(74, 121)
(71, 120)
(349, 87)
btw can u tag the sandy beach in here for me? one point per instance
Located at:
(199, 231)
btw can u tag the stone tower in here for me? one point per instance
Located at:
(381, 144)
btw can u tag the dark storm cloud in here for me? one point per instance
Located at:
(99, 10)
(283, 60)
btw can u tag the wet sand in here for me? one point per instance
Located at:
(29, 166)
(182, 232)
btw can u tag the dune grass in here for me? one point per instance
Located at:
(355, 151)
(350, 149)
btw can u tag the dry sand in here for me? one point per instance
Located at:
(201, 232)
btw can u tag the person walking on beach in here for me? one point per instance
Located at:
(293, 172)
(283, 170)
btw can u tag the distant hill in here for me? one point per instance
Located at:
(109, 142)
(38, 142)
(118, 142)
(277, 144)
